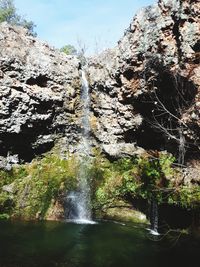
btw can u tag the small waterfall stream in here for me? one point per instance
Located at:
(154, 217)
(79, 201)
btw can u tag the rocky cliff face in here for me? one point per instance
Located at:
(145, 98)
(39, 88)
(146, 91)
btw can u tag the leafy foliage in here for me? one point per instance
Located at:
(8, 13)
(69, 50)
(143, 177)
(34, 186)
(187, 197)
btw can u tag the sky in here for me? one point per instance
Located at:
(95, 24)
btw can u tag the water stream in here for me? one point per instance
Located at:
(154, 217)
(79, 201)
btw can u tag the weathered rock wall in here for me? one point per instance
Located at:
(145, 98)
(146, 90)
(39, 96)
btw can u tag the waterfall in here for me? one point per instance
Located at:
(79, 201)
(85, 96)
(154, 217)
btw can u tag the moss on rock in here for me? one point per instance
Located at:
(36, 186)
(37, 190)
(122, 211)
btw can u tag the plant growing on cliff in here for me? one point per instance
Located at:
(28, 191)
(155, 174)
(69, 50)
(8, 13)
(147, 177)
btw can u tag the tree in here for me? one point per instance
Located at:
(8, 13)
(69, 50)
(166, 103)
(29, 25)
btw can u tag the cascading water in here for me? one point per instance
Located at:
(154, 217)
(79, 201)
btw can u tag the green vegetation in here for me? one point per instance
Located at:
(145, 178)
(69, 50)
(34, 186)
(30, 190)
(132, 177)
(8, 13)
(186, 196)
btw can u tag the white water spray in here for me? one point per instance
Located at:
(154, 218)
(80, 201)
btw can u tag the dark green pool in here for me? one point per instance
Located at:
(104, 244)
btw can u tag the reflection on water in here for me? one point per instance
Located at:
(106, 244)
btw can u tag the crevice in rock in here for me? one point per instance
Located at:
(177, 36)
(196, 47)
(22, 145)
(130, 136)
(18, 88)
(45, 107)
(128, 74)
(41, 81)
(34, 138)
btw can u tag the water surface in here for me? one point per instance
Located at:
(106, 244)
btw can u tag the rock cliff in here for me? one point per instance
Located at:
(145, 100)
(146, 90)
(39, 87)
